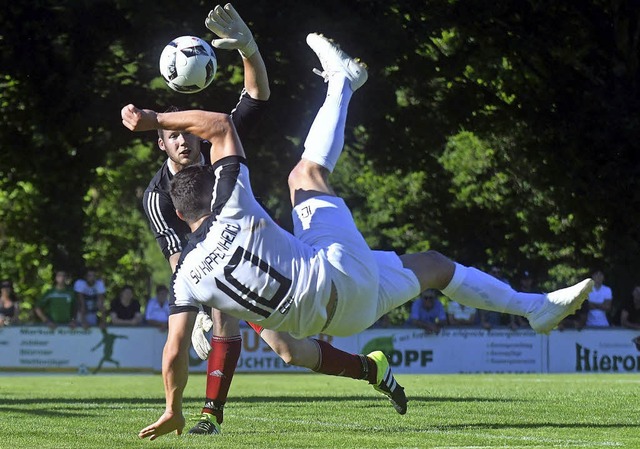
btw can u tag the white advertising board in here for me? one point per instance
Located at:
(594, 351)
(454, 350)
(33, 348)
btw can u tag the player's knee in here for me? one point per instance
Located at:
(433, 269)
(307, 175)
(296, 355)
(284, 353)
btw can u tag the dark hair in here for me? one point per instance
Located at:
(161, 288)
(192, 190)
(169, 109)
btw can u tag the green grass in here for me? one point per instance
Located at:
(314, 411)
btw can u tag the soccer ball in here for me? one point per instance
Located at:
(188, 64)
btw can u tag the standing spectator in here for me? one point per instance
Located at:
(630, 315)
(90, 294)
(600, 300)
(58, 305)
(9, 307)
(157, 310)
(427, 312)
(125, 309)
(461, 315)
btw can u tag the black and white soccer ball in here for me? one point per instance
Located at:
(188, 64)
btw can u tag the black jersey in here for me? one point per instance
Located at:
(170, 232)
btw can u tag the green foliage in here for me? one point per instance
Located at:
(497, 132)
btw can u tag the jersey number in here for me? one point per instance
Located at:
(253, 284)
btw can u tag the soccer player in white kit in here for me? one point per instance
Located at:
(324, 278)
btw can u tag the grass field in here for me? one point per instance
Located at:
(314, 411)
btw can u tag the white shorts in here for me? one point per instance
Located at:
(368, 283)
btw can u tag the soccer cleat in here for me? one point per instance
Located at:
(335, 61)
(387, 384)
(207, 425)
(558, 305)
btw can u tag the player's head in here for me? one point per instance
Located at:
(181, 147)
(191, 192)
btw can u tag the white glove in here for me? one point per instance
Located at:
(199, 339)
(233, 32)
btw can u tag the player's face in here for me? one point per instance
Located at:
(182, 148)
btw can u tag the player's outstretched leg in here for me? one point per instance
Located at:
(334, 61)
(386, 383)
(559, 304)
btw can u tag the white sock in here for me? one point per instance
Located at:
(472, 287)
(326, 137)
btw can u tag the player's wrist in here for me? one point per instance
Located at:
(249, 48)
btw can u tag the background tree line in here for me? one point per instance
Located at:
(496, 132)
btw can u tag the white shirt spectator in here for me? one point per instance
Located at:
(460, 312)
(597, 317)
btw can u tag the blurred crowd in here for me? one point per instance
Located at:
(84, 303)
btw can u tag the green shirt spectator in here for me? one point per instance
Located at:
(58, 304)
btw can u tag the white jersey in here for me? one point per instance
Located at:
(241, 262)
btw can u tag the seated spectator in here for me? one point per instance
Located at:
(58, 305)
(125, 310)
(576, 321)
(90, 293)
(630, 315)
(427, 312)
(9, 307)
(461, 315)
(157, 310)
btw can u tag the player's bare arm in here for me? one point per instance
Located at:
(215, 127)
(175, 372)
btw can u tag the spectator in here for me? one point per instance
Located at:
(90, 294)
(576, 321)
(157, 310)
(600, 300)
(58, 305)
(427, 312)
(9, 307)
(125, 309)
(461, 315)
(630, 315)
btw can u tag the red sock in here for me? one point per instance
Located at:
(335, 362)
(225, 352)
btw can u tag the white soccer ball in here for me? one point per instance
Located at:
(188, 64)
